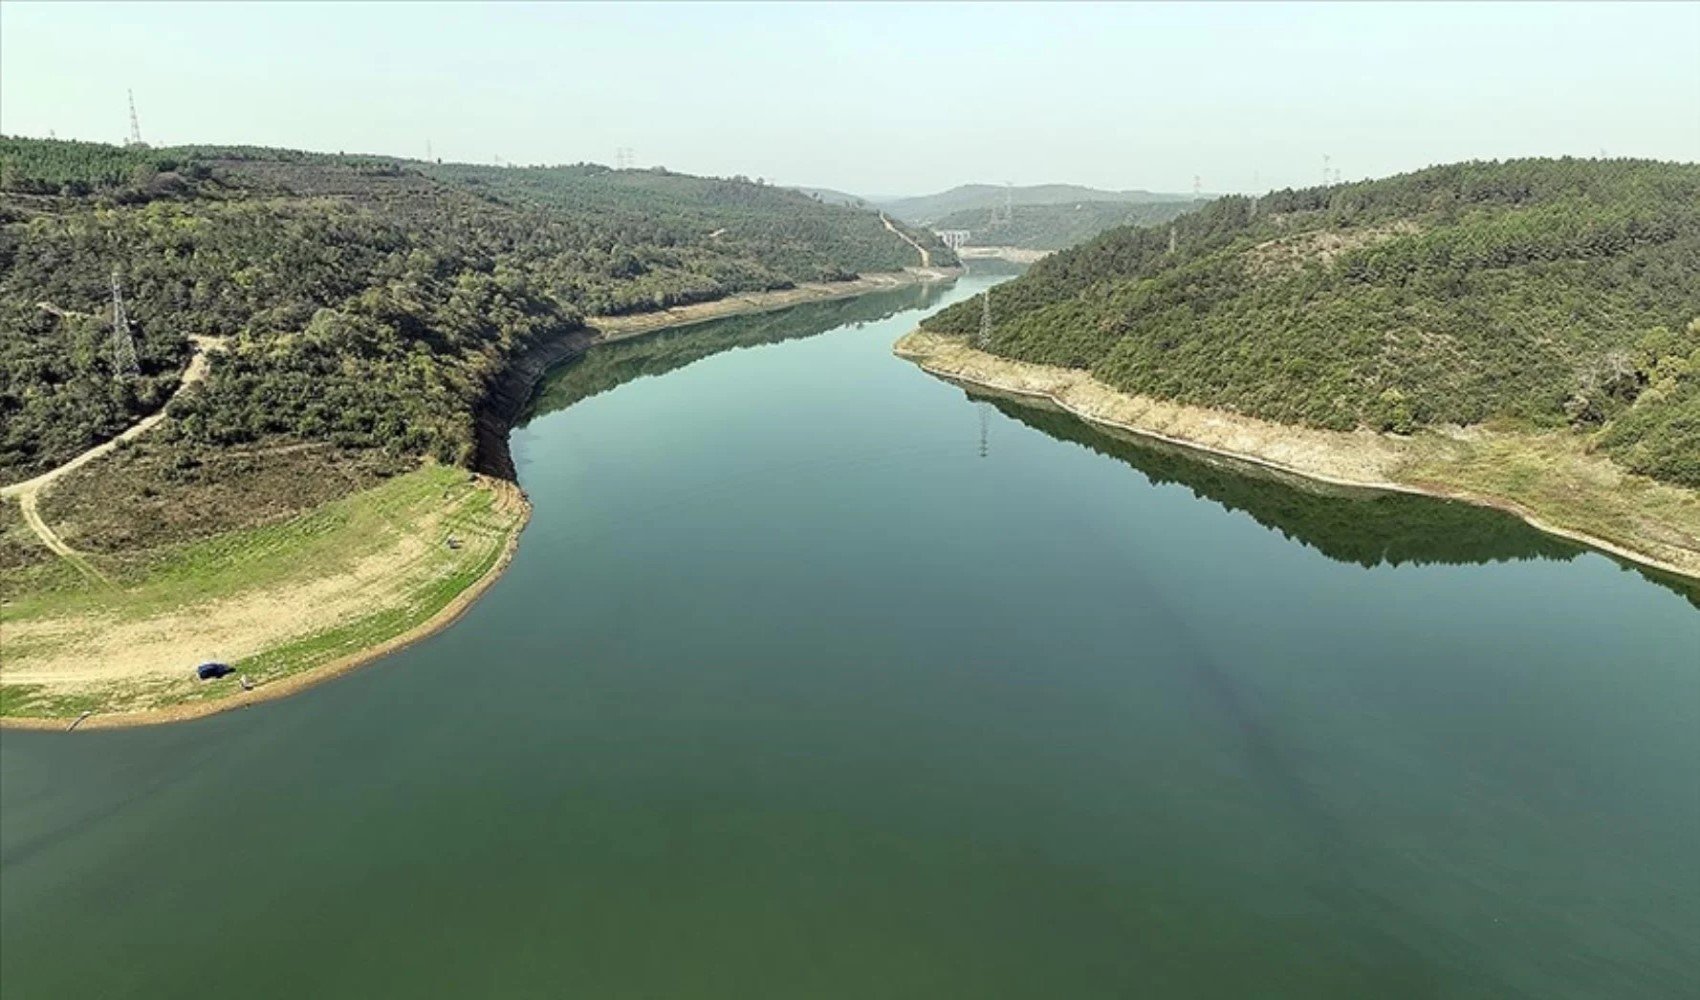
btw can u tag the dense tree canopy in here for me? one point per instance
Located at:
(367, 301)
(1552, 292)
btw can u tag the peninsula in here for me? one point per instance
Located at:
(306, 466)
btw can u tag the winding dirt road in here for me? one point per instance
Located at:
(28, 492)
(926, 255)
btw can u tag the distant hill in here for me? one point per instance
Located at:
(927, 210)
(1055, 227)
(1549, 294)
(830, 197)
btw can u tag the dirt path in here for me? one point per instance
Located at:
(32, 517)
(926, 255)
(29, 491)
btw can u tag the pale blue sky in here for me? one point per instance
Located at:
(878, 99)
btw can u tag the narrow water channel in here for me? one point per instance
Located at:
(816, 676)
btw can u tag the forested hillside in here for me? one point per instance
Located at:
(1537, 293)
(366, 301)
(1054, 227)
(929, 209)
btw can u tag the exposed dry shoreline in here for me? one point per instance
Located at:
(508, 398)
(506, 401)
(294, 683)
(1356, 459)
(622, 327)
(1015, 255)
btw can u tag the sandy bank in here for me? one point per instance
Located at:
(620, 327)
(1014, 255)
(1561, 489)
(510, 498)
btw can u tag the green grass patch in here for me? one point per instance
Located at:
(1552, 475)
(429, 504)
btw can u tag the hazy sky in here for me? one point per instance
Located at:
(881, 98)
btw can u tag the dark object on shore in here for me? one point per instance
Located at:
(213, 671)
(453, 542)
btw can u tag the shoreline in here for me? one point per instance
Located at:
(1012, 254)
(508, 397)
(914, 347)
(517, 384)
(298, 682)
(613, 328)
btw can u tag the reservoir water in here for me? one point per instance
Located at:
(815, 676)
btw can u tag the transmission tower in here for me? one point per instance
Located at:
(1172, 240)
(985, 336)
(1325, 174)
(623, 158)
(124, 363)
(1197, 188)
(985, 419)
(1006, 215)
(135, 124)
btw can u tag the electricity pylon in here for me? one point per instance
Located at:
(135, 125)
(124, 363)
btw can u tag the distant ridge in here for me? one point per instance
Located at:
(927, 209)
(832, 197)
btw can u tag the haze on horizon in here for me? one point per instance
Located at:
(878, 99)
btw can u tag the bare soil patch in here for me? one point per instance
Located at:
(1288, 254)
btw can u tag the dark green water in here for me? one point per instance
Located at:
(791, 692)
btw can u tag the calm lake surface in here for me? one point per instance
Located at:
(816, 677)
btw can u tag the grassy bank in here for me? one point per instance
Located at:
(308, 596)
(1548, 478)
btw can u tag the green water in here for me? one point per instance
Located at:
(794, 690)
